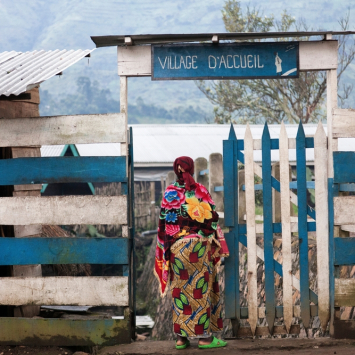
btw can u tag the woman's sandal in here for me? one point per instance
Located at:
(215, 343)
(183, 346)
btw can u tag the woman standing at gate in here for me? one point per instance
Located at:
(189, 247)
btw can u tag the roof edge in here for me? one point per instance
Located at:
(119, 40)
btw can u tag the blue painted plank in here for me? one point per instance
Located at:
(131, 233)
(62, 169)
(125, 270)
(293, 185)
(344, 251)
(236, 228)
(268, 229)
(228, 183)
(29, 251)
(124, 188)
(302, 224)
(231, 279)
(347, 187)
(275, 143)
(204, 172)
(230, 168)
(309, 142)
(277, 227)
(344, 167)
(218, 188)
(333, 191)
(278, 269)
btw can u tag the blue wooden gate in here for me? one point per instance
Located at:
(234, 151)
(63, 210)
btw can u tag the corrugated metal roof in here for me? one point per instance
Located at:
(159, 145)
(20, 72)
(119, 40)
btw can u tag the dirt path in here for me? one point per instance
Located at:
(34, 350)
(325, 346)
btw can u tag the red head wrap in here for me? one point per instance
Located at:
(185, 178)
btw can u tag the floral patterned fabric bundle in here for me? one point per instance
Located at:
(186, 214)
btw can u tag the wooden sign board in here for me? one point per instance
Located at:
(225, 61)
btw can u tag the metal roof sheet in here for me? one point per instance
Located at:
(20, 71)
(159, 145)
(119, 40)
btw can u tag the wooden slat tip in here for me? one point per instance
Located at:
(232, 135)
(283, 132)
(300, 131)
(320, 136)
(248, 133)
(266, 132)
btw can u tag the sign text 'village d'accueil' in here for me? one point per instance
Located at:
(225, 61)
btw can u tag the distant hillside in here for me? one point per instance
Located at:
(67, 24)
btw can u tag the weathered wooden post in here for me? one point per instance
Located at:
(201, 165)
(162, 184)
(153, 217)
(170, 178)
(216, 182)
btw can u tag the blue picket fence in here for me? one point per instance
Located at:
(233, 158)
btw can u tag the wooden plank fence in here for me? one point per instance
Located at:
(342, 220)
(67, 210)
(332, 221)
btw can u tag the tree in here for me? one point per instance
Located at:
(274, 100)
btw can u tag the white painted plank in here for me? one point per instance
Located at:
(74, 291)
(291, 143)
(344, 207)
(332, 100)
(57, 130)
(286, 228)
(348, 228)
(322, 55)
(343, 123)
(125, 231)
(134, 60)
(63, 210)
(322, 223)
(124, 112)
(251, 233)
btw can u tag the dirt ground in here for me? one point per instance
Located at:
(325, 346)
(40, 350)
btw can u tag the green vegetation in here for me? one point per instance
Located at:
(89, 98)
(274, 100)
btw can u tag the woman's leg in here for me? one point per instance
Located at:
(205, 341)
(180, 340)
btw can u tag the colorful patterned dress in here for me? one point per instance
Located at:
(190, 244)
